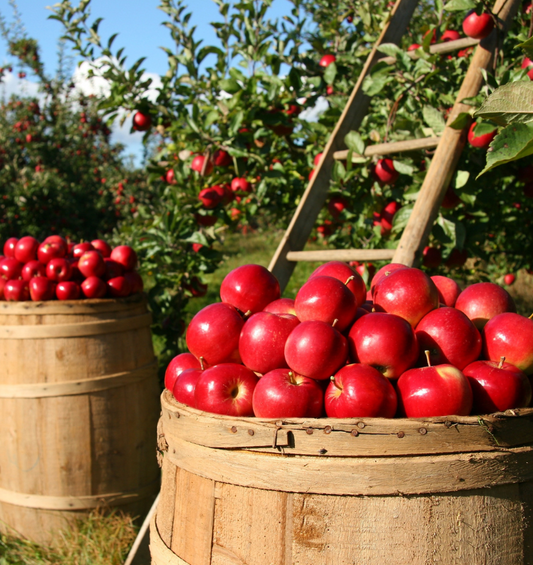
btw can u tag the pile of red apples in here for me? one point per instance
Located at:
(411, 346)
(54, 269)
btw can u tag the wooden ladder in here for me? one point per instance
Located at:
(439, 174)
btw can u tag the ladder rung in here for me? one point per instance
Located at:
(393, 147)
(342, 255)
(446, 47)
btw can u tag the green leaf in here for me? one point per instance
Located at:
(461, 178)
(211, 118)
(512, 143)
(511, 103)
(236, 122)
(462, 120)
(373, 85)
(403, 168)
(354, 142)
(434, 119)
(450, 229)
(330, 73)
(527, 46)
(390, 49)
(229, 85)
(460, 5)
(401, 218)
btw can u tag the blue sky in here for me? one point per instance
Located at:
(138, 23)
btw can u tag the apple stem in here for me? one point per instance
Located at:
(334, 322)
(332, 379)
(291, 378)
(531, 317)
(349, 279)
(202, 361)
(247, 314)
(502, 360)
(428, 357)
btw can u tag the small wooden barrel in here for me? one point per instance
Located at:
(327, 491)
(79, 403)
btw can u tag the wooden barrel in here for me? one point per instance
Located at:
(365, 491)
(79, 403)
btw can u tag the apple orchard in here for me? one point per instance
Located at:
(236, 129)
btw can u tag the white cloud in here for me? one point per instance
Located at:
(12, 84)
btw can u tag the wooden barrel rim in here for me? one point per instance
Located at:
(80, 329)
(66, 307)
(44, 502)
(84, 386)
(161, 554)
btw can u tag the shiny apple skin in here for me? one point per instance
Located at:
(316, 350)
(326, 299)
(184, 387)
(283, 394)
(343, 272)
(180, 363)
(226, 388)
(408, 293)
(360, 391)
(250, 288)
(496, 388)
(427, 392)
(213, 334)
(385, 271)
(510, 335)
(281, 306)
(385, 342)
(482, 301)
(448, 290)
(262, 340)
(450, 337)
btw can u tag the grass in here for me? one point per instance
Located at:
(99, 539)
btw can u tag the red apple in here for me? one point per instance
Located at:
(387, 216)
(283, 394)
(53, 247)
(33, 269)
(119, 287)
(448, 289)
(59, 270)
(240, 185)
(222, 158)
(385, 271)
(250, 288)
(478, 27)
(497, 386)
(316, 350)
(184, 386)
(126, 256)
(80, 248)
(281, 306)
(450, 35)
(197, 165)
(385, 172)
(142, 121)
(26, 249)
(384, 341)
(408, 293)
(347, 275)
(112, 269)
(434, 391)
(9, 247)
(209, 198)
(213, 334)
(10, 268)
(327, 60)
(135, 281)
(226, 388)
(68, 290)
(102, 246)
(480, 141)
(509, 279)
(42, 288)
(414, 47)
(449, 336)
(262, 340)
(17, 291)
(528, 64)
(482, 301)
(360, 391)
(450, 200)
(336, 205)
(180, 363)
(325, 299)
(431, 257)
(92, 264)
(93, 287)
(510, 335)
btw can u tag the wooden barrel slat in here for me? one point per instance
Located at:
(79, 404)
(231, 498)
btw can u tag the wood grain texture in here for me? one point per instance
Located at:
(77, 447)
(355, 110)
(392, 147)
(342, 255)
(415, 236)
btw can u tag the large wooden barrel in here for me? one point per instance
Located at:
(79, 403)
(365, 491)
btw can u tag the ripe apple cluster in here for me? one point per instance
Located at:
(408, 346)
(54, 268)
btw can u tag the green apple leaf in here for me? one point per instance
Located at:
(330, 73)
(462, 120)
(483, 127)
(454, 230)
(459, 5)
(527, 46)
(512, 143)
(354, 142)
(403, 168)
(511, 103)
(229, 85)
(434, 119)
(461, 178)
(401, 218)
